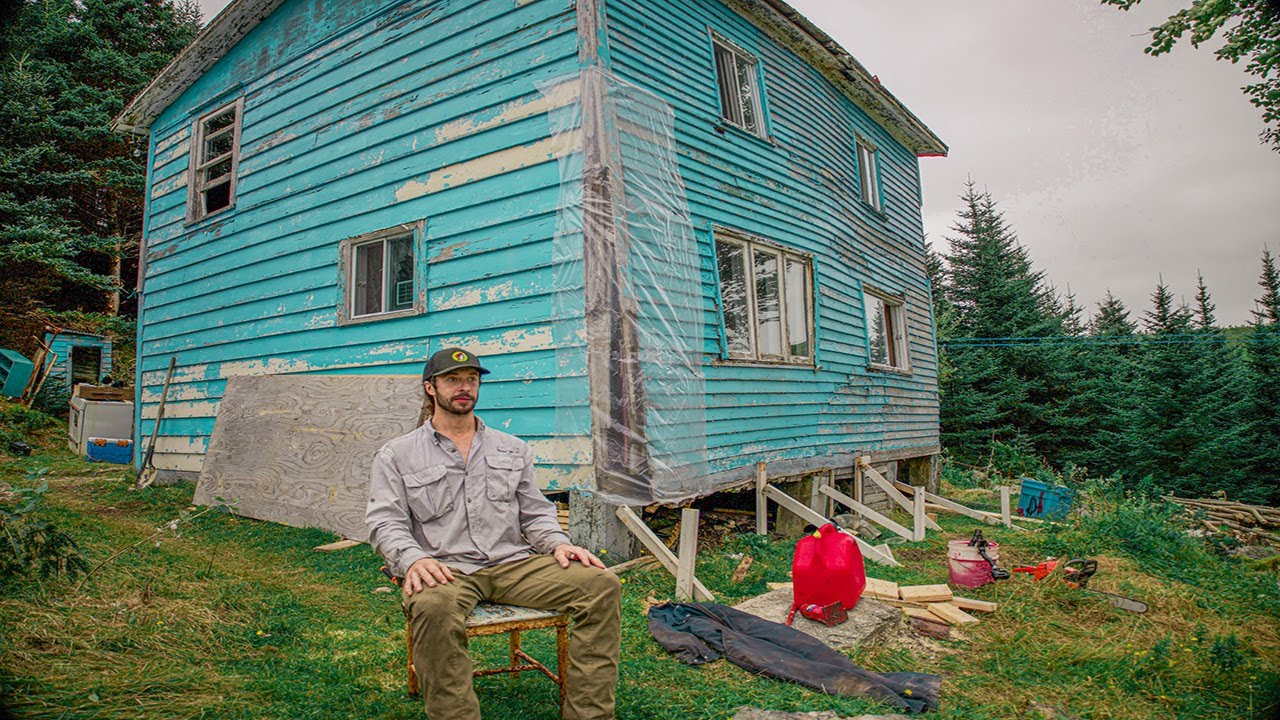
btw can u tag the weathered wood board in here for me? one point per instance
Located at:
(296, 449)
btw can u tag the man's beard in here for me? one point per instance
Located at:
(452, 407)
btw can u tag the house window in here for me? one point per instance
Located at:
(380, 275)
(869, 174)
(766, 297)
(738, 79)
(215, 156)
(886, 330)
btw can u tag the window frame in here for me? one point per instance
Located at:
(750, 245)
(869, 173)
(198, 185)
(895, 307)
(736, 51)
(347, 249)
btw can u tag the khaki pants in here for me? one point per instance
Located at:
(591, 596)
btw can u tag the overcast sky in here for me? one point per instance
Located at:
(1114, 168)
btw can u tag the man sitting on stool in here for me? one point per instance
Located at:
(454, 510)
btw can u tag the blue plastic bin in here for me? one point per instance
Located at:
(110, 450)
(1042, 500)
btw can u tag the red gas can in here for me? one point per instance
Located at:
(827, 569)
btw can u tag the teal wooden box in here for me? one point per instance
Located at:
(1042, 500)
(15, 372)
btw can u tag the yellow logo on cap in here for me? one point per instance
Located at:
(460, 356)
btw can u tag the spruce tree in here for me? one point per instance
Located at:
(1263, 371)
(71, 190)
(1001, 389)
(1104, 389)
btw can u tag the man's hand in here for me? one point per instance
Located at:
(567, 553)
(426, 573)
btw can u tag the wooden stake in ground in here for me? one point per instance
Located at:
(660, 551)
(740, 573)
(688, 554)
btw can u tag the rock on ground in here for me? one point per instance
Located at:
(750, 713)
(868, 620)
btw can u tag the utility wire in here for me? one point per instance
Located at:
(1085, 340)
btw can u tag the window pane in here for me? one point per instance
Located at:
(747, 92)
(733, 297)
(367, 292)
(878, 330)
(768, 304)
(726, 79)
(219, 121)
(400, 265)
(220, 145)
(798, 308)
(217, 170)
(217, 197)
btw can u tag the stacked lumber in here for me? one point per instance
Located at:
(1258, 524)
(927, 604)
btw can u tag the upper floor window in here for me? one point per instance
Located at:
(738, 78)
(886, 330)
(215, 155)
(869, 174)
(380, 277)
(766, 298)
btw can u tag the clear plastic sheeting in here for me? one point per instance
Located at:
(628, 298)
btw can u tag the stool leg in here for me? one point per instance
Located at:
(562, 660)
(514, 638)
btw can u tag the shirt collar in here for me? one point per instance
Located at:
(436, 434)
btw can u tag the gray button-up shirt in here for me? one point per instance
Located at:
(425, 502)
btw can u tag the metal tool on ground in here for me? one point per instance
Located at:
(1038, 572)
(148, 474)
(1078, 571)
(997, 572)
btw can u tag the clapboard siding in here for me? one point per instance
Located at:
(360, 116)
(797, 188)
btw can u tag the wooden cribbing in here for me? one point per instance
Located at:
(925, 593)
(659, 550)
(880, 554)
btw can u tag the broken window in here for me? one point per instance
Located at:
(886, 330)
(738, 79)
(766, 300)
(868, 174)
(215, 156)
(381, 279)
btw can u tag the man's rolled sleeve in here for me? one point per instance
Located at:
(538, 517)
(387, 516)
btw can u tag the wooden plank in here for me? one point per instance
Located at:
(778, 585)
(939, 630)
(878, 588)
(951, 613)
(633, 564)
(971, 604)
(925, 593)
(923, 614)
(878, 554)
(918, 518)
(762, 502)
(660, 551)
(744, 566)
(866, 512)
(296, 449)
(956, 507)
(688, 556)
(884, 484)
(1004, 506)
(339, 545)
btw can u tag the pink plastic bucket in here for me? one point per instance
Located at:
(967, 567)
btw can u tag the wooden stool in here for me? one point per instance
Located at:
(494, 619)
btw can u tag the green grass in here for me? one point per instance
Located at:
(237, 618)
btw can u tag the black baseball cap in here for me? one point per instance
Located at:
(450, 359)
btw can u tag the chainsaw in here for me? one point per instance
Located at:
(1077, 572)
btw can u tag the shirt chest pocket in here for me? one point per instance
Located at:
(502, 476)
(426, 492)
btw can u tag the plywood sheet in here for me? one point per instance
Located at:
(296, 449)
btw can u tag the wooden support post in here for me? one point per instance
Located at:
(688, 554)
(762, 502)
(659, 550)
(880, 554)
(894, 492)
(1004, 506)
(917, 515)
(868, 513)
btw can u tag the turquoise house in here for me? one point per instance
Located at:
(685, 235)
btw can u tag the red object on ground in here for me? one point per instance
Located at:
(826, 569)
(1039, 571)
